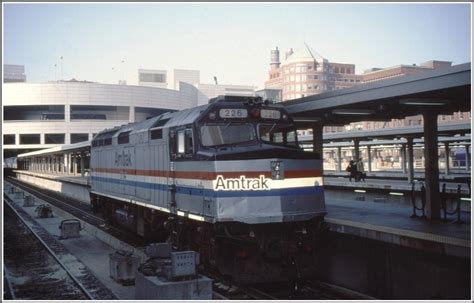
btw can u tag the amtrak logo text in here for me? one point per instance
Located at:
(241, 183)
(123, 159)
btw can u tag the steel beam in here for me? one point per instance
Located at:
(467, 157)
(318, 138)
(446, 158)
(403, 151)
(369, 159)
(411, 160)
(356, 150)
(339, 160)
(433, 203)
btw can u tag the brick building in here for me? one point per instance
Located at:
(303, 73)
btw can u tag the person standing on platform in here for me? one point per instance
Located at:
(352, 170)
(360, 170)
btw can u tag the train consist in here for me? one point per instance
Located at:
(227, 179)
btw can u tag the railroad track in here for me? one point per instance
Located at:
(223, 289)
(303, 290)
(226, 290)
(335, 292)
(35, 265)
(81, 211)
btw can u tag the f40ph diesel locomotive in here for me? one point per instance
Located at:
(227, 179)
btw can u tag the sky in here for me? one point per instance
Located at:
(231, 41)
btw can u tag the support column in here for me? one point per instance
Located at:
(67, 116)
(74, 165)
(69, 164)
(82, 165)
(410, 160)
(131, 117)
(339, 160)
(430, 132)
(467, 157)
(403, 151)
(356, 150)
(369, 159)
(446, 158)
(318, 138)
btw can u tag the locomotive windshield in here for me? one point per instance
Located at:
(278, 134)
(228, 133)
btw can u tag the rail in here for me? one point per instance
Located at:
(81, 213)
(50, 251)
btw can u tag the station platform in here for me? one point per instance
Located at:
(392, 223)
(74, 179)
(388, 184)
(398, 174)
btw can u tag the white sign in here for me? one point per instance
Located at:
(233, 113)
(270, 114)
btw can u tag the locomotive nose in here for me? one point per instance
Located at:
(268, 190)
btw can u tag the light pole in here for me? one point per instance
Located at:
(113, 73)
(61, 58)
(123, 69)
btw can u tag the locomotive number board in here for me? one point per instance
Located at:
(233, 113)
(270, 114)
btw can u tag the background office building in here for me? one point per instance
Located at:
(172, 79)
(304, 73)
(379, 74)
(13, 73)
(43, 115)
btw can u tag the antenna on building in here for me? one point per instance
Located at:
(215, 79)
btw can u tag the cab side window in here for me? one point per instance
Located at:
(182, 143)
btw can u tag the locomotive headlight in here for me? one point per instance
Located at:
(255, 113)
(212, 116)
(284, 117)
(277, 170)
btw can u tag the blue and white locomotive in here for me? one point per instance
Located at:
(227, 179)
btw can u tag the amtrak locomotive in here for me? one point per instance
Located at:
(227, 179)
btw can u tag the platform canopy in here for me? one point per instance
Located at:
(442, 91)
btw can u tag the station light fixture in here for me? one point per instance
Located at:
(305, 119)
(359, 191)
(395, 193)
(423, 102)
(465, 199)
(360, 112)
